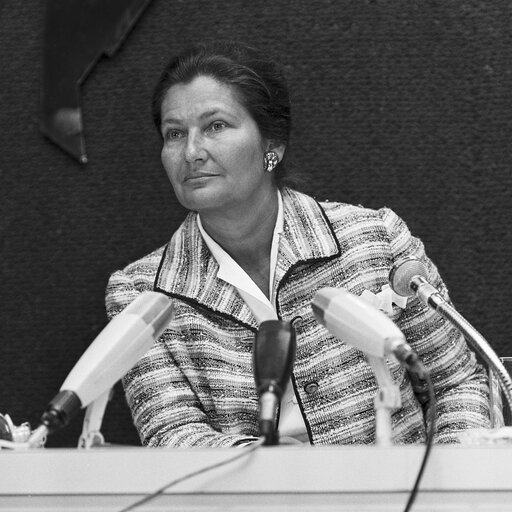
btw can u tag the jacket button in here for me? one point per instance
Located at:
(296, 321)
(311, 387)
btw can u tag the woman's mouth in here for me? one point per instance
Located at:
(199, 175)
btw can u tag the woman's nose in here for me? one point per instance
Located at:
(195, 150)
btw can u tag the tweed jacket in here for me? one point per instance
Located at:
(195, 386)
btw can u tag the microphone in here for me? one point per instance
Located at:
(353, 320)
(117, 348)
(273, 358)
(409, 276)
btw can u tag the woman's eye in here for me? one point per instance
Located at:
(217, 126)
(172, 134)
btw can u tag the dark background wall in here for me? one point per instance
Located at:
(405, 104)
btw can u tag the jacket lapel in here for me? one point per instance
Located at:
(188, 271)
(307, 233)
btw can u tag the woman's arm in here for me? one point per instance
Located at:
(460, 383)
(165, 409)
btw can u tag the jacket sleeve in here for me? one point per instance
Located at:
(165, 409)
(460, 383)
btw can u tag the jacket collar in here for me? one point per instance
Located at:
(188, 270)
(307, 235)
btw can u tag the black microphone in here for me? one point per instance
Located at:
(117, 348)
(273, 358)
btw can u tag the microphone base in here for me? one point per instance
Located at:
(269, 433)
(38, 437)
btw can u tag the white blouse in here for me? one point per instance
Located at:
(292, 428)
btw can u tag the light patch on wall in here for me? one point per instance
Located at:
(77, 34)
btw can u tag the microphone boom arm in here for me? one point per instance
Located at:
(481, 346)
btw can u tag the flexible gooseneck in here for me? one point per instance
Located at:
(408, 277)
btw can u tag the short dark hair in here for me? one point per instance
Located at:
(259, 82)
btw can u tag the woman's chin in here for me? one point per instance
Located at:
(202, 198)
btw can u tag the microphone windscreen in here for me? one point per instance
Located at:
(403, 272)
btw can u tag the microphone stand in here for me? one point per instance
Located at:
(386, 400)
(91, 436)
(268, 404)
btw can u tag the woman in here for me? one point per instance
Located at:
(252, 249)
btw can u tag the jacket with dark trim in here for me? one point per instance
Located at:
(195, 386)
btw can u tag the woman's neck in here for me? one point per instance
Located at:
(246, 235)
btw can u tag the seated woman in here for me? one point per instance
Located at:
(253, 249)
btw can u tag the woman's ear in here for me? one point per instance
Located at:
(278, 148)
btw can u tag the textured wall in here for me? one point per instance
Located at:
(405, 104)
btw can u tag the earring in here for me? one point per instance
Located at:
(270, 161)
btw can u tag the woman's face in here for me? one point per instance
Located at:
(213, 151)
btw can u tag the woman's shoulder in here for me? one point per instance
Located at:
(339, 210)
(136, 277)
(150, 262)
(146, 262)
(126, 283)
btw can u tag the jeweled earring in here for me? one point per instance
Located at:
(270, 161)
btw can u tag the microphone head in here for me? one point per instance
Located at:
(115, 350)
(273, 356)
(402, 274)
(354, 321)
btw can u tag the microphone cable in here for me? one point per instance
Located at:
(431, 429)
(244, 452)
(254, 446)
